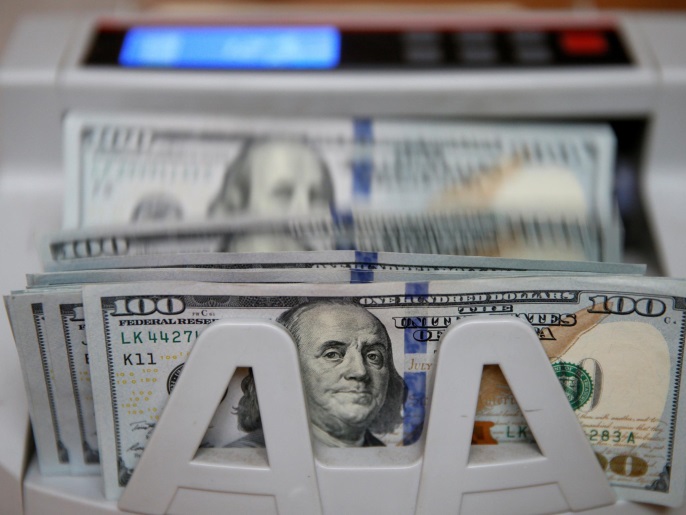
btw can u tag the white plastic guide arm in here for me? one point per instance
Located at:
(449, 485)
(167, 464)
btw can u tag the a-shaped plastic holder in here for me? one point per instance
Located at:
(442, 473)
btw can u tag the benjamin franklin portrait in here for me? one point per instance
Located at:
(353, 392)
(273, 178)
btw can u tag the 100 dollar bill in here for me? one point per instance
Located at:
(609, 335)
(31, 334)
(132, 168)
(450, 233)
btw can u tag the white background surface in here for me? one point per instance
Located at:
(11, 10)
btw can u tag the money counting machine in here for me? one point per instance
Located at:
(627, 70)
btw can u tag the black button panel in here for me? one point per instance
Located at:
(491, 48)
(514, 48)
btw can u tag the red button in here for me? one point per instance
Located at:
(583, 43)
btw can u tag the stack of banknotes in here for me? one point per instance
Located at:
(167, 230)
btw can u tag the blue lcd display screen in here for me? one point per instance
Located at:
(247, 48)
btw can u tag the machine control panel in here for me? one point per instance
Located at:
(332, 48)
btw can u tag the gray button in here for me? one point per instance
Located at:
(484, 54)
(533, 54)
(528, 37)
(421, 38)
(474, 38)
(426, 54)
(422, 47)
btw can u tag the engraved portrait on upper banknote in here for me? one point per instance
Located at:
(352, 388)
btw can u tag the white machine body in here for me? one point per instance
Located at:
(43, 76)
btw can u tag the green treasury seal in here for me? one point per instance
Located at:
(575, 381)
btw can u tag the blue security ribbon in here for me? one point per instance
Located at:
(412, 346)
(414, 409)
(363, 275)
(362, 165)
